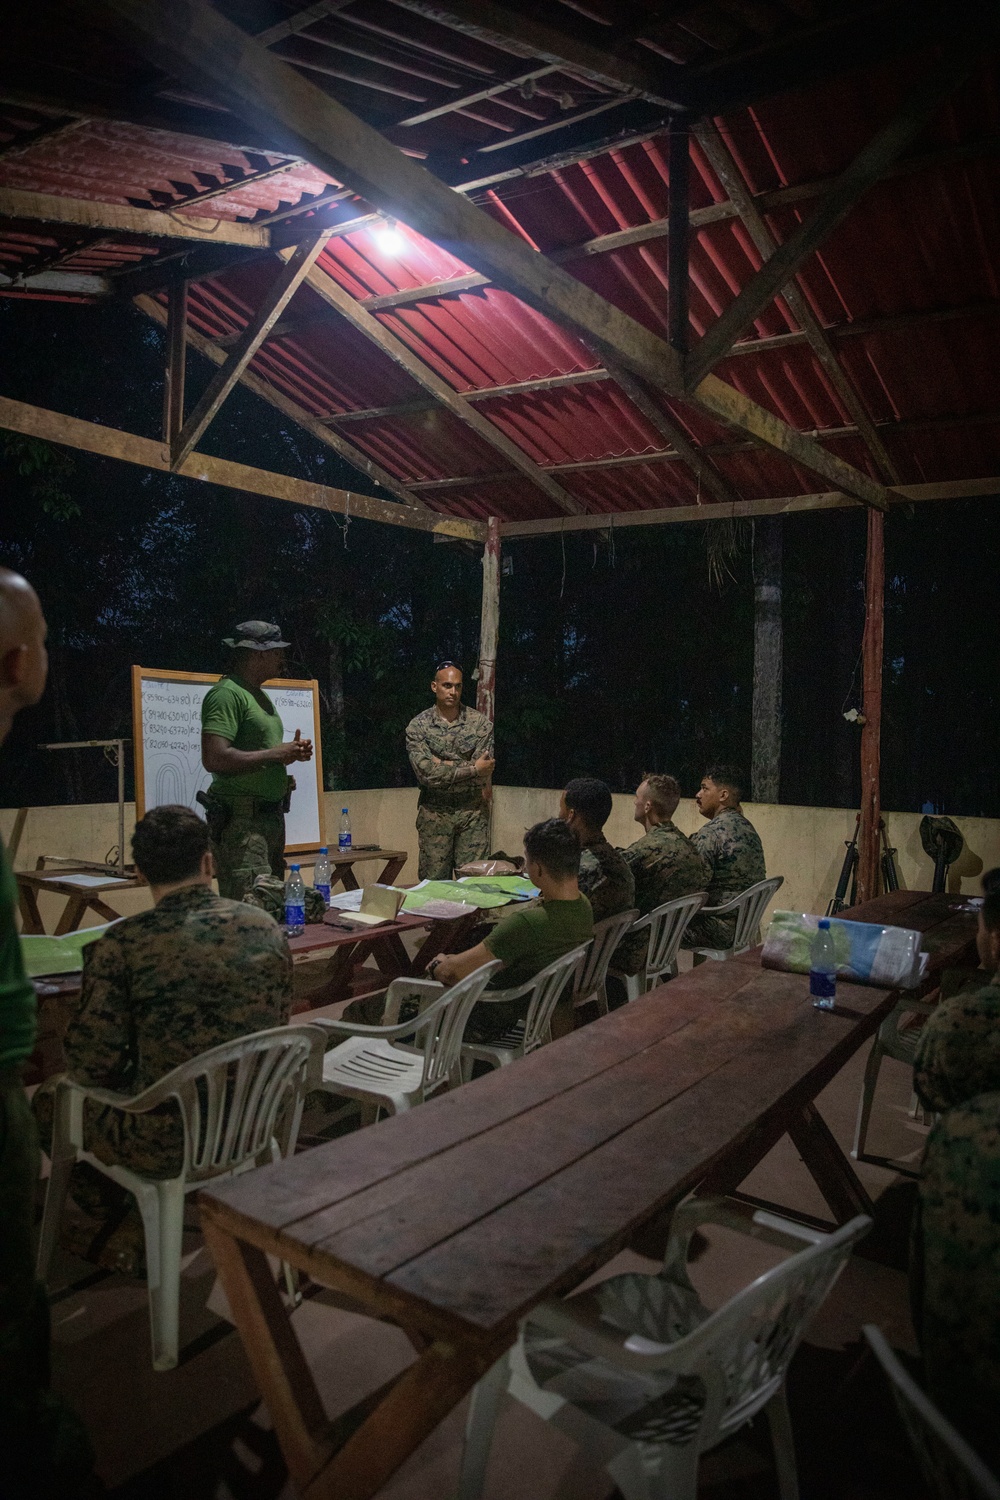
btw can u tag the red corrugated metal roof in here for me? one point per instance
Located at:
(923, 241)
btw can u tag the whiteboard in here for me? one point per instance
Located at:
(166, 717)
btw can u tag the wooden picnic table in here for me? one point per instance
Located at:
(350, 944)
(342, 862)
(453, 1221)
(79, 898)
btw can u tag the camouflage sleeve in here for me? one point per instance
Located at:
(428, 773)
(958, 1055)
(705, 840)
(484, 740)
(99, 1044)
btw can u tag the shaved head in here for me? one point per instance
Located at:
(23, 659)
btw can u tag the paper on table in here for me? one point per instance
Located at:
(442, 911)
(58, 955)
(346, 901)
(87, 882)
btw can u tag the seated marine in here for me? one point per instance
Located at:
(160, 988)
(665, 864)
(605, 879)
(731, 846)
(527, 940)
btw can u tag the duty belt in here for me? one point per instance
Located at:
(249, 806)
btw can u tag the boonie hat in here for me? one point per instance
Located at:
(257, 635)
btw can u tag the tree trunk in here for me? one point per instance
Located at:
(765, 776)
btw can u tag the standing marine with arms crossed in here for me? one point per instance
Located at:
(241, 745)
(451, 752)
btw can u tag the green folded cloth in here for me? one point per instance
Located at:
(57, 955)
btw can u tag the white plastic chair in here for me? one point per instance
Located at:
(748, 907)
(646, 1379)
(891, 1040)
(373, 1067)
(534, 1030)
(953, 1470)
(592, 980)
(665, 925)
(230, 1099)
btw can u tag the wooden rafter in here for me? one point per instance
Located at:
(289, 408)
(50, 208)
(366, 323)
(923, 102)
(279, 294)
(624, 70)
(721, 160)
(109, 442)
(199, 45)
(176, 363)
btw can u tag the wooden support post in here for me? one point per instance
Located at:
(679, 185)
(765, 771)
(489, 621)
(871, 691)
(173, 384)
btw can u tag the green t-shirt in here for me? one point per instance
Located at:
(231, 710)
(527, 940)
(17, 997)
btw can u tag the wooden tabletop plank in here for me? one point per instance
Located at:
(441, 1197)
(549, 1238)
(292, 1190)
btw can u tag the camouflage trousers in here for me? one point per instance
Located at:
(251, 844)
(449, 838)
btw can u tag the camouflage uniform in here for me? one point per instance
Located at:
(957, 1287)
(250, 843)
(959, 1050)
(606, 879)
(452, 818)
(268, 894)
(159, 989)
(664, 865)
(731, 846)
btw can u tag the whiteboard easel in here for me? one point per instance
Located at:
(166, 717)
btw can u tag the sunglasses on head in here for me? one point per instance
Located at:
(442, 664)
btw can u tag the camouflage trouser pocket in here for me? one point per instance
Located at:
(242, 853)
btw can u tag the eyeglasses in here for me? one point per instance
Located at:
(442, 664)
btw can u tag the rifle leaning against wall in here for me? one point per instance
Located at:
(849, 869)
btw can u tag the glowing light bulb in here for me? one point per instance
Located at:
(388, 238)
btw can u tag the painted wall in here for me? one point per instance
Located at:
(804, 844)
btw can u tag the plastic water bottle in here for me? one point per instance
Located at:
(295, 904)
(321, 875)
(344, 839)
(823, 968)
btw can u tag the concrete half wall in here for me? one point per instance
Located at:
(804, 844)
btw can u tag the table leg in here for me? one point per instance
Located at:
(283, 1377)
(337, 985)
(103, 909)
(72, 914)
(31, 917)
(351, 1458)
(392, 869)
(443, 937)
(347, 877)
(828, 1166)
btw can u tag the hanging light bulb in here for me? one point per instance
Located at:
(388, 238)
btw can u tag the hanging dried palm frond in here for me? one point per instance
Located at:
(725, 541)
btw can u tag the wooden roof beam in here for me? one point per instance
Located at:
(279, 294)
(212, 55)
(671, 515)
(401, 354)
(109, 442)
(617, 68)
(289, 408)
(920, 106)
(725, 168)
(114, 218)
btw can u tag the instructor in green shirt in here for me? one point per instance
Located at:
(241, 745)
